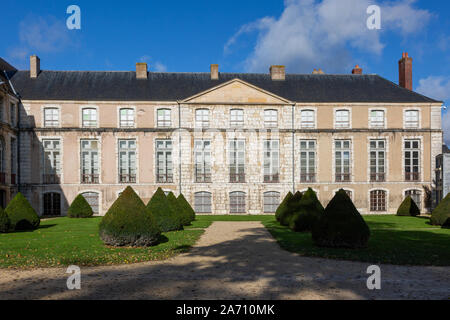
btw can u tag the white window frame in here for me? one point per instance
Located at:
(271, 207)
(271, 154)
(204, 205)
(236, 118)
(57, 122)
(342, 150)
(92, 169)
(127, 122)
(126, 167)
(310, 155)
(202, 116)
(236, 156)
(167, 166)
(377, 150)
(164, 120)
(238, 202)
(308, 119)
(202, 152)
(375, 122)
(407, 122)
(270, 118)
(83, 124)
(339, 124)
(55, 164)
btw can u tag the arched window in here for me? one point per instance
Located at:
(271, 201)
(93, 199)
(164, 118)
(202, 202)
(377, 118)
(237, 202)
(126, 117)
(416, 195)
(342, 119)
(52, 204)
(378, 200)
(307, 118)
(270, 118)
(89, 117)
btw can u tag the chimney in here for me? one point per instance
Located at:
(405, 71)
(315, 71)
(214, 72)
(35, 66)
(357, 70)
(141, 70)
(278, 73)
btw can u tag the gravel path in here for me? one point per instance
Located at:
(232, 260)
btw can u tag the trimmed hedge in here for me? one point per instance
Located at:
(441, 214)
(283, 206)
(80, 208)
(21, 214)
(341, 225)
(4, 221)
(179, 212)
(408, 208)
(186, 207)
(129, 223)
(309, 213)
(166, 218)
(293, 205)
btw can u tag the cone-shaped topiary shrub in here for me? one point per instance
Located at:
(441, 214)
(341, 225)
(21, 214)
(129, 223)
(179, 212)
(166, 218)
(4, 221)
(80, 208)
(184, 204)
(408, 208)
(282, 208)
(308, 214)
(293, 205)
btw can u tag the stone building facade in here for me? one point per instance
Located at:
(231, 143)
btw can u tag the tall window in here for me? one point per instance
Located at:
(342, 160)
(164, 166)
(271, 161)
(270, 118)
(52, 204)
(377, 118)
(89, 117)
(164, 118)
(2, 161)
(237, 161)
(237, 202)
(12, 114)
(202, 118)
(271, 201)
(342, 119)
(307, 118)
(307, 160)
(89, 161)
(51, 117)
(13, 160)
(377, 160)
(202, 202)
(378, 200)
(52, 161)
(412, 163)
(412, 119)
(127, 161)
(202, 152)
(126, 117)
(236, 117)
(416, 195)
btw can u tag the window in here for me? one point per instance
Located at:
(12, 114)
(237, 161)
(127, 161)
(342, 119)
(202, 202)
(416, 195)
(237, 202)
(89, 161)
(164, 118)
(271, 161)
(202, 118)
(342, 160)
(126, 116)
(164, 166)
(412, 164)
(377, 160)
(52, 204)
(307, 119)
(411, 119)
(271, 201)
(349, 193)
(92, 199)
(13, 160)
(89, 117)
(52, 161)
(51, 117)
(378, 200)
(2, 162)
(307, 160)
(377, 118)
(202, 155)
(236, 117)
(270, 118)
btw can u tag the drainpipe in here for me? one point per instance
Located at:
(293, 149)
(179, 146)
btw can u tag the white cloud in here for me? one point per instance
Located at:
(311, 34)
(158, 66)
(446, 127)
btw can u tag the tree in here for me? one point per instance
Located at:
(4, 221)
(80, 208)
(441, 214)
(283, 206)
(308, 214)
(408, 208)
(166, 218)
(186, 207)
(293, 205)
(179, 212)
(21, 214)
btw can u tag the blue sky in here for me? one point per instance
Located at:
(241, 36)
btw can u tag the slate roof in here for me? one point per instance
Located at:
(165, 86)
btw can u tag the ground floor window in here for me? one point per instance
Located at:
(52, 204)
(416, 195)
(92, 198)
(202, 202)
(237, 202)
(378, 200)
(271, 201)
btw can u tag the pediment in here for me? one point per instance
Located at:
(236, 91)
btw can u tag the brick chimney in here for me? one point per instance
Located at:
(320, 71)
(141, 70)
(278, 73)
(405, 71)
(35, 66)
(214, 72)
(357, 70)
